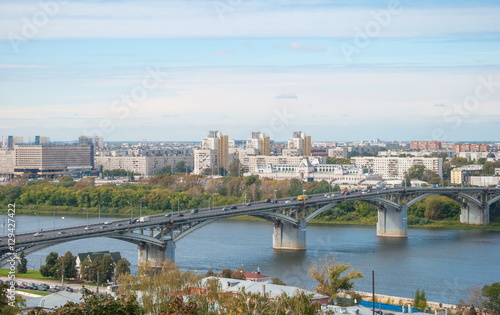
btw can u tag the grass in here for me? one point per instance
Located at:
(31, 274)
(34, 292)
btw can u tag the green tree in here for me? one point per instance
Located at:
(416, 172)
(234, 168)
(277, 281)
(491, 294)
(23, 262)
(6, 309)
(330, 278)
(331, 160)
(66, 263)
(48, 269)
(226, 273)
(85, 269)
(122, 267)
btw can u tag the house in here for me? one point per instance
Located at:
(92, 255)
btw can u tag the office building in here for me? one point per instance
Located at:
(47, 160)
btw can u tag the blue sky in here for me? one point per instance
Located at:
(172, 70)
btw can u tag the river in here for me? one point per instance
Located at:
(445, 263)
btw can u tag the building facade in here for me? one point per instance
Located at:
(51, 159)
(395, 167)
(144, 165)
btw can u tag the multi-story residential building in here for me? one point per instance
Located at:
(204, 159)
(338, 152)
(467, 147)
(51, 159)
(460, 175)
(144, 165)
(299, 145)
(10, 141)
(6, 163)
(259, 144)
(395, 167)
(426, 145)
(219, 158)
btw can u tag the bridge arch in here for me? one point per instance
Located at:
(373, 200)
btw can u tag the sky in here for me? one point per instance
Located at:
(173, 70)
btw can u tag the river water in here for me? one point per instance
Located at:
(445, 263)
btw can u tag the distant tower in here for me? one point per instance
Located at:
(37, 140)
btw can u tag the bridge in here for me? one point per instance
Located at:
(157, 236)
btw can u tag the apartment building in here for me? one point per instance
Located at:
(144, 165)
(395, 167)
(6, 163)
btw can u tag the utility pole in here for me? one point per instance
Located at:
(373, 292)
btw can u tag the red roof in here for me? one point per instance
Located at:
(251, 275)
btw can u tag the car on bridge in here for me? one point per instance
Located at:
(180, 215)
(38, 234)
(62, 233)
(195, 210)
(108, 222)
(104, 227)
(234, 208)
(88, 228)
(225, 209)
(119, 224)
(168, 214)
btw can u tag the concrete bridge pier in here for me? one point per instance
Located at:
(156, 254)
(473, 213)
(392, 221)
(290, 236)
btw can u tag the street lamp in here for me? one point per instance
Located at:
(275, 194)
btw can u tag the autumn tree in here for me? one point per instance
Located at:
(159, 286)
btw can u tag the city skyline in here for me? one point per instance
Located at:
(339, 70)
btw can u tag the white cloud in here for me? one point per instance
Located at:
(199, 19)
(306, 47)
(19, 66)
(287, 95)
